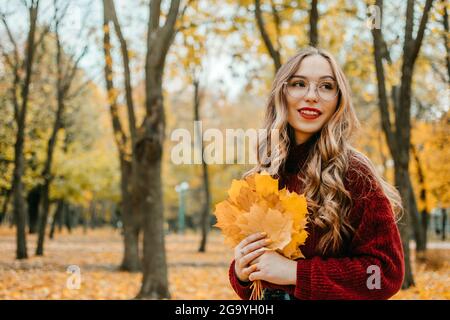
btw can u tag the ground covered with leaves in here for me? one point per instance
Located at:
(192, 275)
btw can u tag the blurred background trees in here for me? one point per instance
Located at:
(90, 92)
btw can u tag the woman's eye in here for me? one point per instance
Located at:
(327, 86)
(299, 84)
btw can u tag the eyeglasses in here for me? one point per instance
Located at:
(297, 88)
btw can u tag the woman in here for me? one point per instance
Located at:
(353, 250)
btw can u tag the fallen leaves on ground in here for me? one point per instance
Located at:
(98, 253)
(192, 275)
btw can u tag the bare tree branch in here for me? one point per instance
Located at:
(313, 21)
(168, 27)
(445, 37)
(274, 53)
(119, 134)
(193, 25)
(7, 58)
(44, 32)
(437, 70)
(11, 38)
(277, 22)
(382, 93)
(185, 7)
(68, 78)
(421, 31)
(75, 92)
(409, 25)
(155, 10)
(127, 71)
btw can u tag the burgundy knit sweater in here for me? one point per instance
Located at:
(375, 242)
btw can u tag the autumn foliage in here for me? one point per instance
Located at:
(256, 204)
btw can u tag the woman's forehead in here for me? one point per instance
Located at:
(314, 67)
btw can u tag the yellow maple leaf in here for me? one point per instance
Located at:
(292, 250)
(256, 205)
(277, 226)
(251, 181)
(246, 198)
(296, 206)
(226, 215)
(265, 184)
(235, 189)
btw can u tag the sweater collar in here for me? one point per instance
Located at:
(297, 155)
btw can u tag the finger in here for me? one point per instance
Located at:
(257, 275)
(257, 260)
(250, 269)
(248, 258)
(251, 238)
(255, 245)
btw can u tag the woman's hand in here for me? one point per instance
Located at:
(246, 251)
(275, 268)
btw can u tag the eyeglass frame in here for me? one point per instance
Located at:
(285, 83)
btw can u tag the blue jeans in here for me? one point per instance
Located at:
(273, 294)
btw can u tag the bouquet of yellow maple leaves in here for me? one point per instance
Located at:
(255, 204)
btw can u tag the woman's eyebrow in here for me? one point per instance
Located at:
(322, 77)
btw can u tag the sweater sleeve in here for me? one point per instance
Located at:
(373, 267)
(242, 289)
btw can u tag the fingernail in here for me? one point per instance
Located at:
(268, 241)
(263, 234)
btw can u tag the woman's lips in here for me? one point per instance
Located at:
(309, 114)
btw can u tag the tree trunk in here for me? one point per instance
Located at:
(147, 187)
(33, 200)
(148, 201)
(5, 205)
(131, 223)
(155, 283)
(19, 201)
(401, 181)
(56, 217)
(43, 220)
(148, 152)
(416, 223)
(274, 52)
(65, 76)
(425, 217)
(204, 219)
(131, 218)
(445, 38)
(46, 174)
(68, 218)
(402, 121)
(423, 224)
(61, 216)
(313, 22)
(444, 223)
(398, 137)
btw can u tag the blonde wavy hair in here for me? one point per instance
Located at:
(329, 203)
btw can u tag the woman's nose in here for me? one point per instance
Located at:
(311, 94)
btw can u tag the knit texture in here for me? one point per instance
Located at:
(375, 244)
